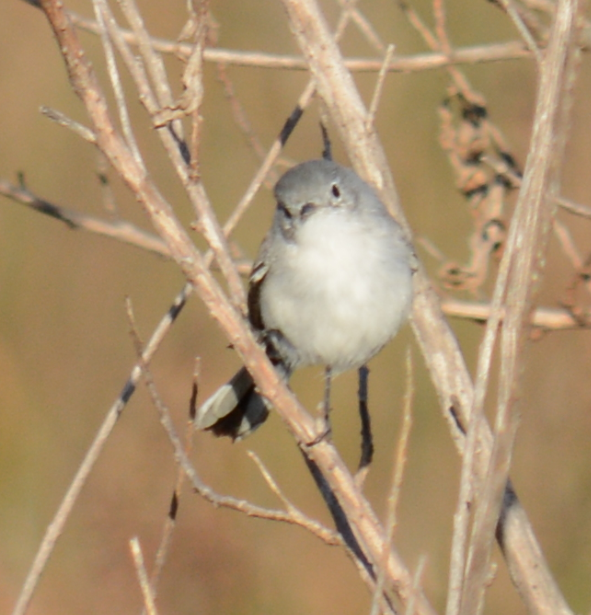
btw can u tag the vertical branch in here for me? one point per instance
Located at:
(399, 466)
(140, 568)
(100, 10)
(517, 282)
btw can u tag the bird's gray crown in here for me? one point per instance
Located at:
(319, 183)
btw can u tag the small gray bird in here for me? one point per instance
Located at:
(331, 286)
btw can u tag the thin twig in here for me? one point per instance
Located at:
(574, 208)
(299, 518)
(119, 230)
(100, 9)
(398, 467)
(463, 55)
(419, 25)
(417, 578)
(152, 61)
(177, 151)
(565, 238)
(550, 319)
(516, 18)
(519, 269)
(461, 519)
(238, 111)
(142, 575)
(170, 522)
(292, 516)
(377, 93)
(238, 504)
(440, 27)
(55, 528)
(353, 13)
(63, 120)
(271, 482)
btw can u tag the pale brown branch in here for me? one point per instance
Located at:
(416, 579)
(526, 35)
(142, 575)
(427, 61)
(363, 24)
(377, 93)
(398, 468)
(152, 61)
(101, 11)
(117, 229)
(292, 516)
(419, 25)
(567, 243)
(440, 27)
(206, 220)
(170, 522)
(495, 52)
(549, 319)
(56, 527)
(578, 209)
(520, 267)
(239, 112)
(63, 120)
(298, 517)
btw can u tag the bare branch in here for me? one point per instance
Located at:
(293, 516)
(170, 522)
(429, 61)
(521, 265)
(398, 467)
(142, 575)
(60, 518)
(120, 230)
(516, 18)
(100, 9)
(152, 61)
(297, 516)
(373, 107)
(61, 119)
(543, 318)
(176, 150)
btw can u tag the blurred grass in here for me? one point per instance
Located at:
(65, 351)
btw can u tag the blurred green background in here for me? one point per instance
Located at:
(65, 350)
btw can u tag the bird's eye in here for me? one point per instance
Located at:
(335, 191)
(307, 209)
(284, 210)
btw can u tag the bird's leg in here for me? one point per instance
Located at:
(325, 430)
(326, 406)
(366, 436)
